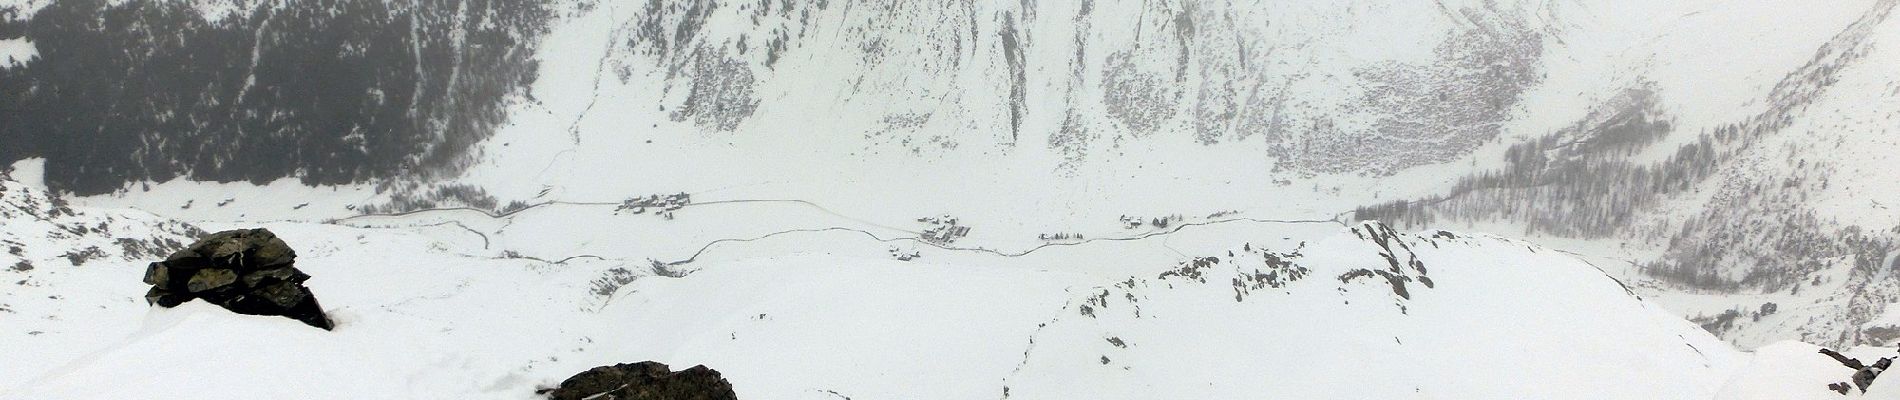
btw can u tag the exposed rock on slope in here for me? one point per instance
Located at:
(1255, 320)
(40, 229)
(645, 380)
(247, 271)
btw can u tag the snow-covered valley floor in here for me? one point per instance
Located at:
(820, 306)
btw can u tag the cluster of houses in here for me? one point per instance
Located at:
(942, 230)
(905, 255)
(664, 205)
(1136, 222)
(1060, 237)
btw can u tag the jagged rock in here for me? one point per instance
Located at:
(185, 259)
(645, 380)
(274, 253)
(283, 294)
(207, 279)
(164, 298)
(256, 279)
(158, 274)
(247, 271)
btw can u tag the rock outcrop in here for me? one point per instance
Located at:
(645, 380)
(247, 271)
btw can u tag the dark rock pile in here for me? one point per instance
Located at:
(1864, 374)
(644, 381)
(247, 271)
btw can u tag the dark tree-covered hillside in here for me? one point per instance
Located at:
(327, 91)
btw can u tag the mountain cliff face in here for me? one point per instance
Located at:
(1084, 79)
(227, 90)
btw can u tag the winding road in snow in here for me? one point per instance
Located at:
(709, 246)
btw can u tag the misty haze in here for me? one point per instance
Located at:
(895, 199)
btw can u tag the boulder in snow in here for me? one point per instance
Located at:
(645, 380)
(247, 271)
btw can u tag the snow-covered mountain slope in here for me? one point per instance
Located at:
(1700, 147)
(1120, 107)
(1291, 312)
(1726, 159)
(1081, 111)
(1085, 111)
(1777, 205)
(64, 272)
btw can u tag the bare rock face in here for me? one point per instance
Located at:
(645, 380)
(247, 271)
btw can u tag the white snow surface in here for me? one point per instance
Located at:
(25, 8)
(64, 273)
(17, 52)
(436, 313)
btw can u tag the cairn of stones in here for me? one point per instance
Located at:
(645, 380)
(247, 271)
